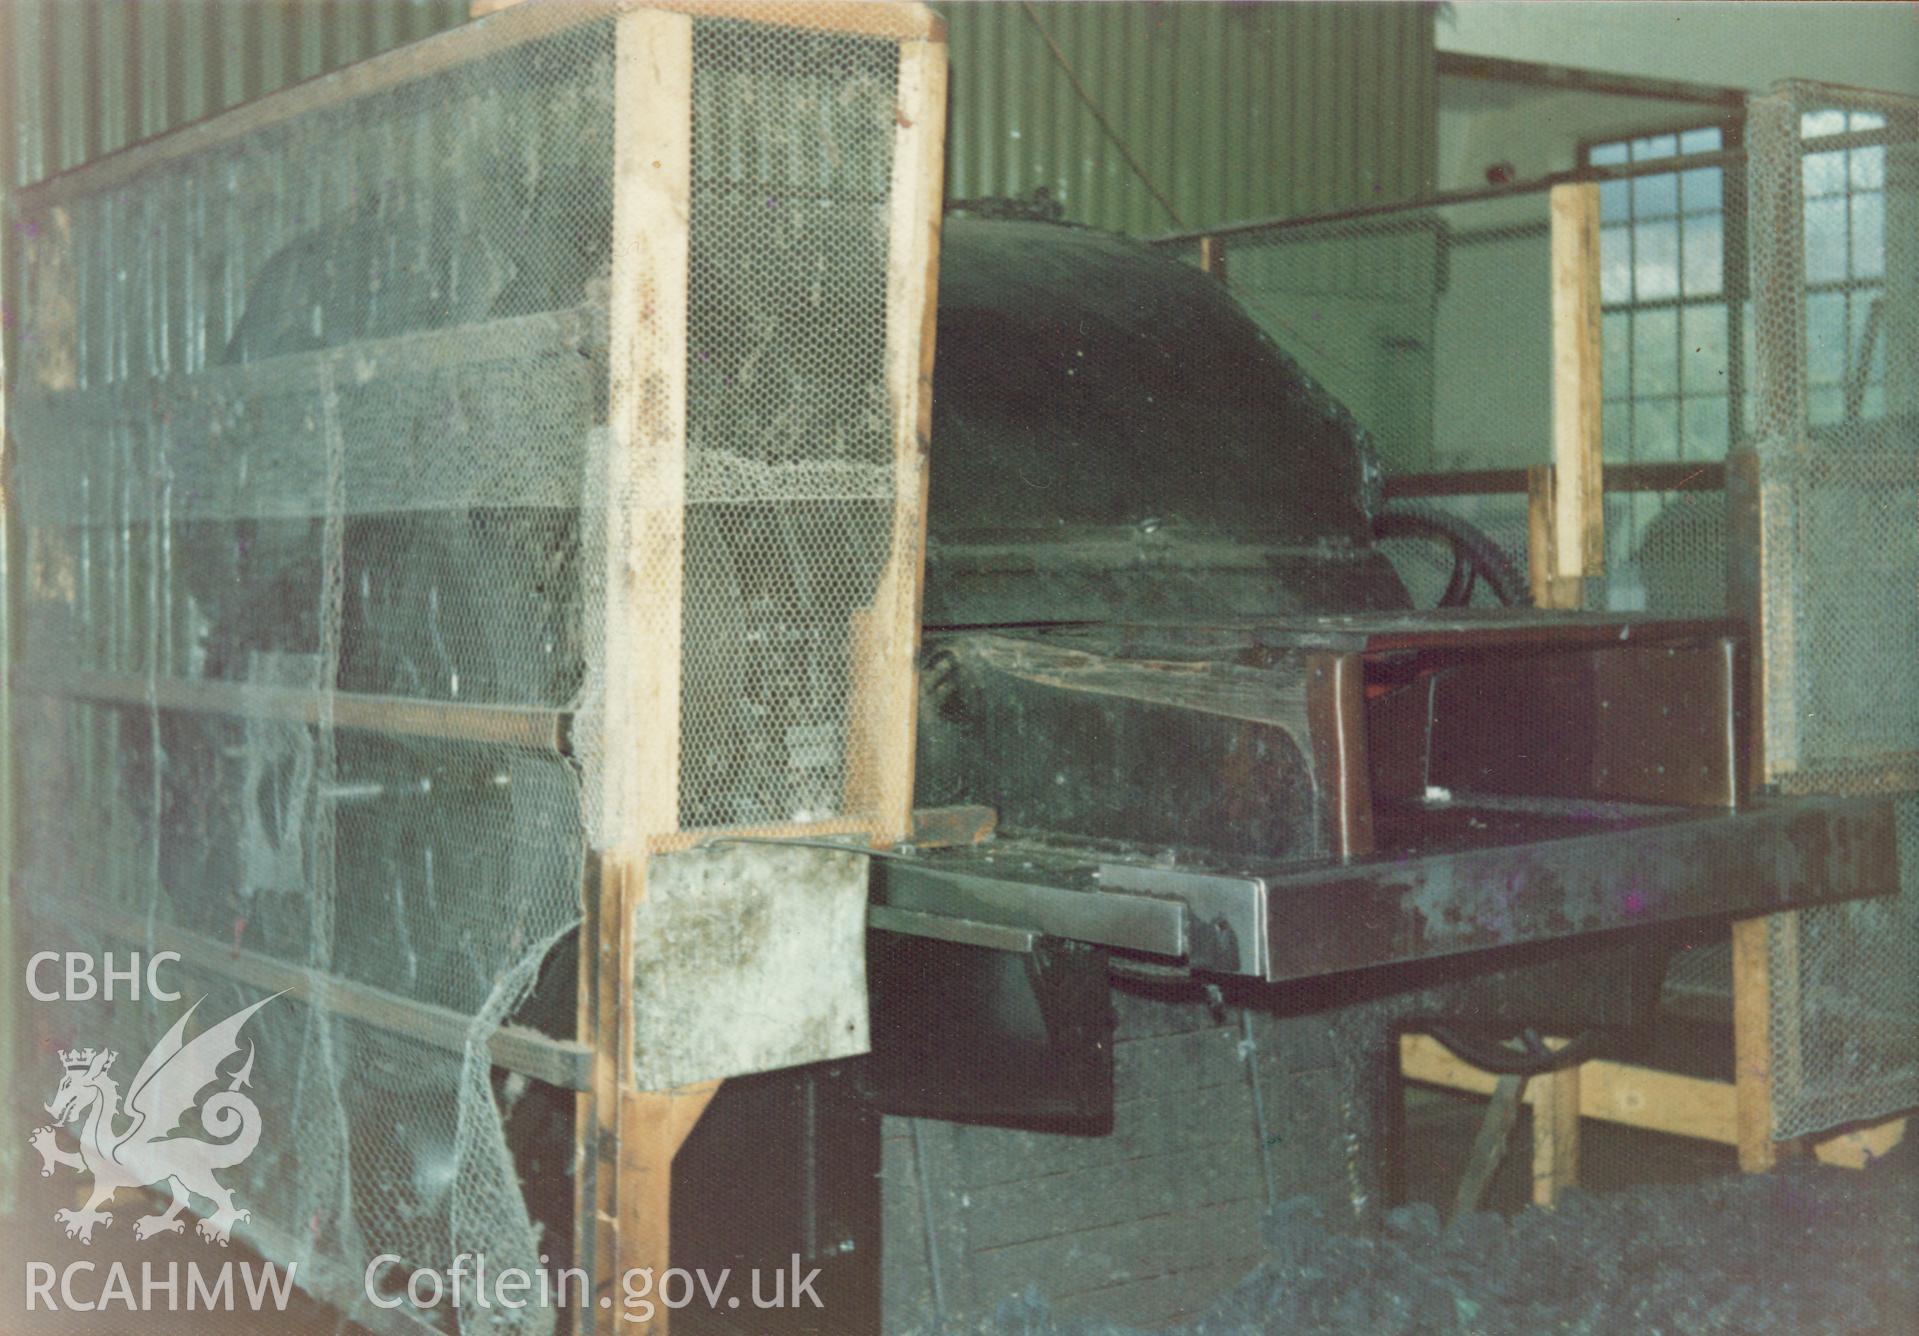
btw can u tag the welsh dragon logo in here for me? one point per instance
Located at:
(134, 1147)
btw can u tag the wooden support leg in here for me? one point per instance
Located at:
(1489, 1148)
(1555, 1099)
(1752, 1042)
(654, 1124)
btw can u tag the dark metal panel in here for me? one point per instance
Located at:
(1768, 858)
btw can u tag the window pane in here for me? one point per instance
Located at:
(1703, 351)
(1655, 430)
(1825, 240)
(1868, 167)
(1655, 353)
(1705, 428)
(1868, 236)
(1655, 196)
(1615, 264)
(1816, 123)
(1826, 404)
(1608, 155)
(1655, 146)
(1614, 201)
(1863, 305)
(1701, 189)
(1615, 427)
(1825, 173)
(1867, 120)
(1703, 140)
(1615, 364)
(1656, 262)
(1826, 337)
(1704, 270)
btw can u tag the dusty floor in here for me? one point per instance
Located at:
(1671, 1239)
(1805, 1249)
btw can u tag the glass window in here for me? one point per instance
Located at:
(1663, 289)
(1845, 183)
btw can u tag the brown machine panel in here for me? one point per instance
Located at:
(1607, 710)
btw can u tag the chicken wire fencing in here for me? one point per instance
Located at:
(1757, 295)
(1430, 323)
(310, 450)
(1833, 184)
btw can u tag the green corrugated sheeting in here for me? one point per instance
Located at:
(1235, 111)
(84, 77)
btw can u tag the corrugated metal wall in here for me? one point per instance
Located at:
(84, 77)
(1235, 111)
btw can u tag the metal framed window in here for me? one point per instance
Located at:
(1672, 305)
(1844, 169)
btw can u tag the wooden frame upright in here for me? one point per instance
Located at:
(626, 1137)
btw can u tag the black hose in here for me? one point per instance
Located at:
(1535, 1059)
(1475, 554)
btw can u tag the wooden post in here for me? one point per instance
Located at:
(1549, 588)
(1752, 1042)
(885, 714)
(1579, 512)
(629, 1136)
(1555, 1134)
(1212, 257)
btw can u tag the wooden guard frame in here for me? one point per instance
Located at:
(627, 1137)
(1565, 548)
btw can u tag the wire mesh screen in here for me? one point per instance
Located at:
(310, 445)
(1834, 189)
(1431, 323)
(790, 487)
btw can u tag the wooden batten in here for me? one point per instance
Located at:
(1579, 512)
(1752, 1042)
(886, 707)
(645, 490)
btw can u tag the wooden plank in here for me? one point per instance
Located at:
(949, 827)
(1614, 1092)
(1549, 589)
(1539, 534)
(1859, 1147)
(1752, 1041)
(646, 466)
(1578, 504)
(632, 1136)
(653, 1125)
(1212, 257)
(885, 712)
(534, 728)
(1556, 1112)
(873, 18)
(1456, 482)
(1489, 1146)
(443, 51)
(564, 1063)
